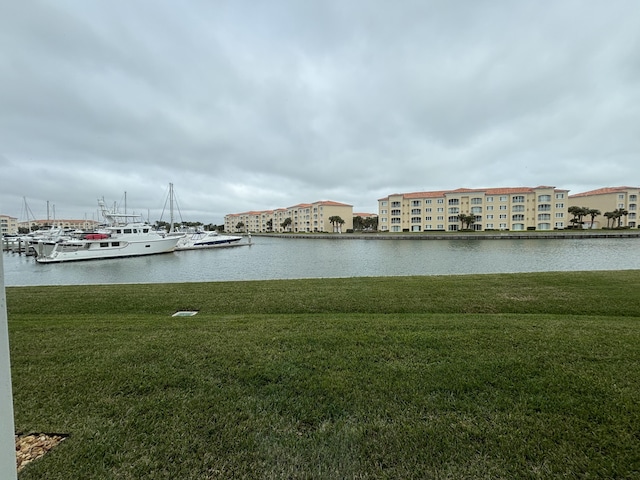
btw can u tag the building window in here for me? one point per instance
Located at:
(416, 203)
(440, 217)
(416, 211)
(415, 220)
(427, 219)
(428, 201)
(489, 217)
(503, 216)
(544, 216)
(503, 226)
(441, 200)
(440, 209)
(543, 207)
(503, 198)
(559, 215)
(517, 226)
(621, 196)
(395, 220)
(476, 209)
(440, 227)
(544, 198)
(489, 199)
(518, 199)
(395, 212)
(476, 201)
(560, 225)
(518, 208)
(454, 210)
(453, 219)
(415, 228)
(396, 204)
(544, 226)
(559, 205)
(633, 198)
(503, 207)
(453, 228)
(517, 218)
(454, 201)
(427, 210)
(383, 203)
(489, 225)
(383, 212)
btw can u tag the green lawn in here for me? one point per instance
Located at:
(482, 376)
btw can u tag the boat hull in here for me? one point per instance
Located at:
(103, 249)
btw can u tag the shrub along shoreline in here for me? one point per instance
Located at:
(476, 376)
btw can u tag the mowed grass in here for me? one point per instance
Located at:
(480, 376)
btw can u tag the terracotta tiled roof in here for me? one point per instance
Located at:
(487, 191)
(603, 191)
(332, 203)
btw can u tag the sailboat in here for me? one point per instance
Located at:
(194, 238)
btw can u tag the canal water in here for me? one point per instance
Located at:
(280, 258)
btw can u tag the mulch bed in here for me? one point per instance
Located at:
(32, 446)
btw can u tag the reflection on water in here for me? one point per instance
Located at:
(275, 258)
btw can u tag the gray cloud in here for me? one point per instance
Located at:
(252, 106)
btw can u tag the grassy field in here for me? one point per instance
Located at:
(479, 376)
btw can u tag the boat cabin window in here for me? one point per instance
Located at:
(115, 244)
(145, 230)
(127, 230)
(104, 244)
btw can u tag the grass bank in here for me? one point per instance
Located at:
(480, 376)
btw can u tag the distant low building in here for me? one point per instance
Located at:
(8, 225)
(304, 217)
(517, 208)
(608, 200)
(86, 225)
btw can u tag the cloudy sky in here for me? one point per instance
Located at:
(247, 105)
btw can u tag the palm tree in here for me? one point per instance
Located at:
(610, 216)
(466, 220)
(578, 213)
(337, 222)
(593, 213)
(239, 226)
(619, 213)
(286, 224)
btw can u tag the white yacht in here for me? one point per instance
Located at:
(126, 235)
(199, 239)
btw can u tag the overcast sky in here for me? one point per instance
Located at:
(247, 105)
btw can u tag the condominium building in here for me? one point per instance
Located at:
(304, 217)
(86, 225)
(8, 225)
(520, 208)
(606, 200)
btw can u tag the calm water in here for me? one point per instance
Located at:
(275, 258)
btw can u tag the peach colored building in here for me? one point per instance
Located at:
(608, 199)
(304, 217)
(518, 208)
(8, 225)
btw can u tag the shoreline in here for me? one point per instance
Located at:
(452, 236)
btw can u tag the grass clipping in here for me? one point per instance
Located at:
(34, 446)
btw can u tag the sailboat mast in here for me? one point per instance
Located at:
(170, 207)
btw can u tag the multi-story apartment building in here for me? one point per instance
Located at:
(609, 199)
(69, 224)
(304, 217)
(520, 208)
(8, 225)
